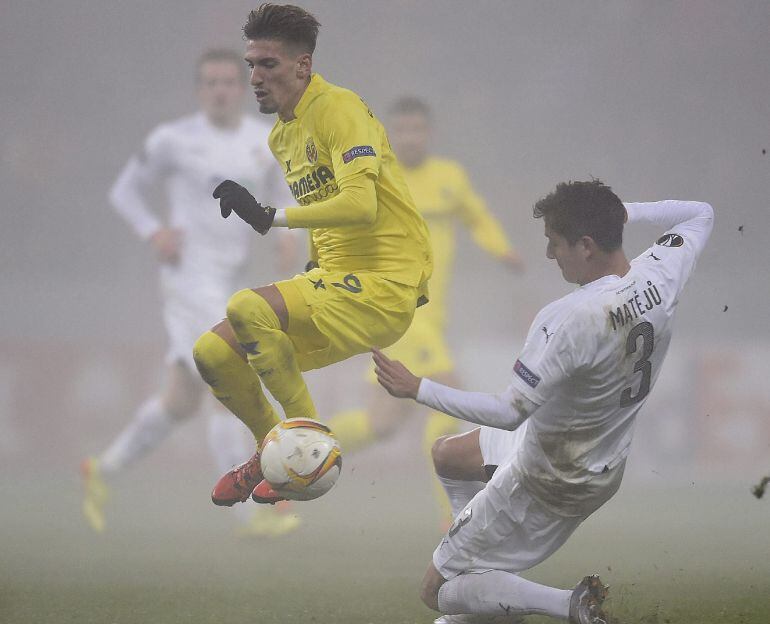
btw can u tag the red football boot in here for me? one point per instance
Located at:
(264, 493)
(236, 486)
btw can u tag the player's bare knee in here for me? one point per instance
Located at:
(441, 455)
(459, 457)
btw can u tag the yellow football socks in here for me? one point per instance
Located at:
(353, 429)
(270, 352)
(234, 383)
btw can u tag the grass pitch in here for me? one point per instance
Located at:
(689, 555)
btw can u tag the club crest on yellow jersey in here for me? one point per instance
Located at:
(311, 152)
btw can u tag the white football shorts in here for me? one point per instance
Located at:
(192, 304)
(503, 527)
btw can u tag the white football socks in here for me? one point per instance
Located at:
(501, 593)
(460, 492)
(146, 431)
(229, 440)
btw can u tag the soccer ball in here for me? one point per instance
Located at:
(300, 458)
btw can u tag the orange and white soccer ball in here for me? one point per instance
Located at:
(301, 458)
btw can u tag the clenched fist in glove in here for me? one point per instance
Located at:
(234, 198)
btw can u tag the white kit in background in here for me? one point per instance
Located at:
(190, 157)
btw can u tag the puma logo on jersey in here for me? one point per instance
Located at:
(653, 256)
(544, 329)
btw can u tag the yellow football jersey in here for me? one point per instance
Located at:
(443, 195)
(335, 137)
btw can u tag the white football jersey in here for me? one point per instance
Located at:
(591, 359)
(190, 156)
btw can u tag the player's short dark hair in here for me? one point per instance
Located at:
(284, 22)
(221, 55)
(577, 209)
(409, 105)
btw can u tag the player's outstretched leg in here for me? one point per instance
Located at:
(150, 426)
(224, 368)
(96, 493)
(498, 593)
(269, 349)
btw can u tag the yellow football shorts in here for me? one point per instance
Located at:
(334, 316)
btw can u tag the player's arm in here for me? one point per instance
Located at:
(129, 194)
(355, 204)
(692, 219)
(485, 229)
(349, 135)
(505, 410)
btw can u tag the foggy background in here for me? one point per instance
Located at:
(658, 99)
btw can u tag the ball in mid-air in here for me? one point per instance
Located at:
(301, 458)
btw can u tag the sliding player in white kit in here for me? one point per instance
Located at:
(201, 258)
(555, 441)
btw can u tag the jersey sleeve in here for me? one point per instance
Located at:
(504, 410)
(549, 358)
(352, 137)
(688, 225)
(485, 229)
(355, 204)
(128, 194)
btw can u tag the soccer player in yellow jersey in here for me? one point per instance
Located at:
(445, 197)
(370, 243)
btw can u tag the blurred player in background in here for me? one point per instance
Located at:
(201, 259)
(552, 447)
(445, 198)
(369, 241)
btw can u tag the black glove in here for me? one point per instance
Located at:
(234, 198)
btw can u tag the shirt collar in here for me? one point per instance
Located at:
(314, 88)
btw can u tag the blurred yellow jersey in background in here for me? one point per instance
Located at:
(445, 198)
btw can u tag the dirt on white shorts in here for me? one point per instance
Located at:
(503, 527)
